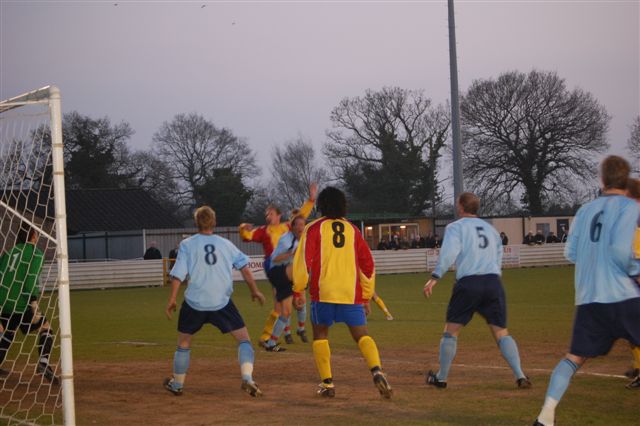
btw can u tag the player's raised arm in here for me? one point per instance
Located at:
(246, 231)
(305, 209)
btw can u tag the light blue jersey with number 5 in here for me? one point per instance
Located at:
(600, 244)
(208, 261)
(474, 245)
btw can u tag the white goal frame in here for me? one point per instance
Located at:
(50, 95)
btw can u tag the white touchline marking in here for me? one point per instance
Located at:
(542, 370)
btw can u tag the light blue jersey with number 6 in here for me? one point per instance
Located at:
(208, 261)
(475, 247)
(600, 244)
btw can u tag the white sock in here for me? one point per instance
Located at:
(548, 413)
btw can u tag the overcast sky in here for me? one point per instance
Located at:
(270, 70)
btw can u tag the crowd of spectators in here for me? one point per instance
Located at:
(539, 238)
(398, 243)
(395, 242)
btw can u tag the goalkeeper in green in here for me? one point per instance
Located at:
(19, 292)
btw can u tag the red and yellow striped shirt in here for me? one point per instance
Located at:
(269, 235)
(335, 261)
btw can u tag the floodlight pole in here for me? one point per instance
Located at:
(455, 110)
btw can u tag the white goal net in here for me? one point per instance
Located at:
(36, 369)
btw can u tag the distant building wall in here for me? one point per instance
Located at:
(126, 245)
(517, 227)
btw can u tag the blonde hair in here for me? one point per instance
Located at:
(205, 218)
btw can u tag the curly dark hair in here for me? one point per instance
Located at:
(332, 203)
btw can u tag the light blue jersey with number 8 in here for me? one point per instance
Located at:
(475, 247)
(208, 261)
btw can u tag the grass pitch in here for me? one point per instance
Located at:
(125, 334)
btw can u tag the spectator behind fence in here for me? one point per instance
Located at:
(563, 234)
(529, 239)
(430, 241)
(394, 243)
(539, 238)
(382, 245)
(152, 252)
(551, 238)
(173, 254)
(504, 238)
(415, 242)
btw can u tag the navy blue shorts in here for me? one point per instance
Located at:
(279, 280)
(598, 325)
(226, 319)
(327, 313)
(478, 293)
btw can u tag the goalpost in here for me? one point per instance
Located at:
(36, 368)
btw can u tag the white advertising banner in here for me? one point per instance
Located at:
(510, 258)
(256, 266)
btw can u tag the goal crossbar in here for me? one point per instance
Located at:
(39, 96)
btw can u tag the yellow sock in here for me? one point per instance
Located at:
(322, 355)
(635, 350)
(369, 351)
(268, 325)
(381, 304)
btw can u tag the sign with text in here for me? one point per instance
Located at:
(511, 257)
(256, 266)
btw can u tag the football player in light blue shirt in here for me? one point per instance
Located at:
(476, 248)
(607, 298)
(206, 260)
(280, 273)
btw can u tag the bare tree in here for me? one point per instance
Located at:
(193, 148)
(528, 135)
(294, 167)
(91, 147)
(385, 148)
(633, 144)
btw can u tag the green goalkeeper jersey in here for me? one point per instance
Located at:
(19, 270)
